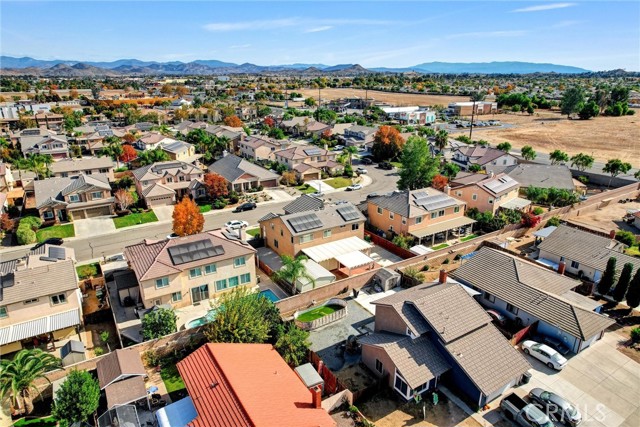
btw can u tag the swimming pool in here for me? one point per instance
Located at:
(268, 293)
(199, 321)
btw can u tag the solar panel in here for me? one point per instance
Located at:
(305, 222)
(56, 252)
(420, 195)
(438, 204)
(349, 213)
(194, 251)
(312, 152)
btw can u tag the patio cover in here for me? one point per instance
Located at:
(545, 232)
(354, 259)
(439, 227)
(40, 326)
(178, 414)
(334, 249)
(125, 391)
(517, 203)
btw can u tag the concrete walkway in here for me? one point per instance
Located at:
(164, 213)
(93, 226)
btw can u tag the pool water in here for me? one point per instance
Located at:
(268, 293)
(209, 317)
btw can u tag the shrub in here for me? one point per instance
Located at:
(635, 334)
(219, 204)
(32, 222)
(538, 210)
(553, 221)
(25, 235)
(626, 237)
(98, 351)
(233, 197)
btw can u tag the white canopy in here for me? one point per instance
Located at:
(354, 259)
(334, 249)
(516, 203)
(178, 414)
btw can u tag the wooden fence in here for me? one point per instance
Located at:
(386, 244)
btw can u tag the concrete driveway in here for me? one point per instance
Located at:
(164, 213)
(94, 226)
(602, 382)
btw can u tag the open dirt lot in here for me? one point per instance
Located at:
(545, 131)
(608, 218)
(400, 99)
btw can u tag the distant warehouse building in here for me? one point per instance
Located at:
(410, 115)
(465, 108)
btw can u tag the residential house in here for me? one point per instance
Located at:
(466, 155)
(330, 236)
(49, 120)
(309, 161)
(9, 117)
(423, 214)
(413, 115)
(164, 183)
(43, 141)
(181, 151)
(435, 334)
(234, 135)
(191, 270)
(247, 385)
(466, 108)
(304, 203)
(242, 175)
(86, 166)
(40, 302)
(180, 102)
(358, 136)
(7, 181)
(74, 197)
(297, 126)
(153, 140)
(585, 254)
(488, 192)
(260, 148)
(532, 295)
(541, 176)
(122, 377)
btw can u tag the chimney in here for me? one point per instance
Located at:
(326, 147)
(443, 276)
(612, 234)
(447, 189)
(491, 174)
(242, 234)
(561, 267)
(316, 393)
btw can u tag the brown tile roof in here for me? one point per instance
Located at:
(35, 282)
(126, 391)
(119, 364)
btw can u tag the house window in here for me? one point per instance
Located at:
(195, 272)
(306, 238)
(404, 220)
(456, 209)
(434, 215)
(145, 182)
(181, 178)
(275, 243)
(96, 195)
(239, 262)
(169, 179)
(58, 299)
(489, 297)
(400, 385)
(3, 312)
(441, 212)
(391, 216)
(512, 309)
(31, 301)
(379, 210)
(47, 215)
(575, 264)
(233, 282)
(281, 233)
(104, 170)
(74, 198)
(199, 293)
(210, 269)
(221, 285)
(474, 197)
(419, 220)
(459, 193)
(64, 174)
(176, 296)
(490, 201)
(379, 366)
(326, 233)
(162, 283)
(355, 227)
(245, 278)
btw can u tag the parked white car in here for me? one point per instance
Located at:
(545, 354)
(361, 171)
(354, 187)
(236, 224)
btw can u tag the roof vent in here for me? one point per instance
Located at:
(213, 385)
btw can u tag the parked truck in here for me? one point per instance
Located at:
(522, 413)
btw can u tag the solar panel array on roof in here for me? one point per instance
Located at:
(348, 213)
(194, 251)
(435, 202)
(305, 222)
(500, 184)
(312, 152)
(420, 195)
(57, 253)
(106, 132)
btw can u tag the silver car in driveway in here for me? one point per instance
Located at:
(556, 407)
(545, 354)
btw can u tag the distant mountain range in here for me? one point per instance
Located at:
(67, 68)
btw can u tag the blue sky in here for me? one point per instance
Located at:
(596, 35)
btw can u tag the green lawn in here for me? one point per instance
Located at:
(65, 230)
(469, 237)
(396, 164)
(317, 313)
(339, 182)
(172, 379)
(440, 246)
(304, 190)
(253, 232)
(135, 219)
(205, 208)
(633, 251)
(36, 422)
(87, 270)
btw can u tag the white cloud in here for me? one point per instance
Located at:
(487, 34)
(542, 7)
(564, 24)
(251, 25)
(318, 29)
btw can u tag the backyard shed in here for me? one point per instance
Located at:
(386, 279)
(127, 286)
(72, 352)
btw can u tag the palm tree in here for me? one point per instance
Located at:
(350, 151)
(442, 139)
(475, 97)
(292, 270)
(226, 142)
(113, 149)
(39, 164)
(18, 377)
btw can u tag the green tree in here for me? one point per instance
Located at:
(292, 270)
(572, 101)
(633, 294)
(450, 170)
(553, 221)
(475, 97)
(637, 175)
(148, 157)
(528, 153)
(504, 146)
(19, 375)
(325, 115)
(293, 344)
(418, 167)
(158, 323)
(441, 139)
(589, 110)
(558, 156)
(310, 102)
(113, 149)
(475, 168)
(77, 399)
(582, 161)
(608, 277)
(349, 152)
(623, 282)
(626, 237)
(615, 167)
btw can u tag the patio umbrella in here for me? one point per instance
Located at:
(152, 389)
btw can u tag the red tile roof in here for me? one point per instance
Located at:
(236, 385)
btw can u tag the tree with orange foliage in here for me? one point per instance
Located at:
(216, 185)
(233, 121)
(128, 153)
(387, 144)
(187, 219)
(439, 181)
(129, 137)
(181, 113)
(289, 178)
(268, 121)
(326, 134)
(182, 90)
(73, 94)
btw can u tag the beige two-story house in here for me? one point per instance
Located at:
(191, 270)
(488, 192)
(308, 161)
(74, 197)
(181, 151)
(259, 148)
(164, 183)
(86, 165)
(40, 301)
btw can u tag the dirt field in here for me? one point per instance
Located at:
(399, 99)
(545, 131)
(608, 218)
